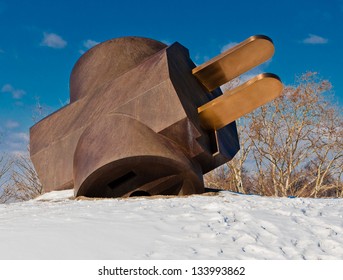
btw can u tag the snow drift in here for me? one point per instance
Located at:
(220, 226)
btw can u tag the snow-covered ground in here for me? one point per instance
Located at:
(222, 226)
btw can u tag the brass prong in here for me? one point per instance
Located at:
(239, 101)
(234, 62)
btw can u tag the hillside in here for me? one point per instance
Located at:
(221, 226)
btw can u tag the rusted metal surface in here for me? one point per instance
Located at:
(133, 125)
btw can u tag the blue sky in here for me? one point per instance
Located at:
(40, 41)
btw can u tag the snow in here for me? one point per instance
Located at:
(221, 226)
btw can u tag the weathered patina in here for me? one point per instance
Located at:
(144, 119)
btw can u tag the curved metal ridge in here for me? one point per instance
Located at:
(239, 101)
(234, 62)
(255, 79)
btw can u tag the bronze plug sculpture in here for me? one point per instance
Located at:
(143, 119)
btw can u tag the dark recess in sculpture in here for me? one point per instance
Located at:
(143, 119)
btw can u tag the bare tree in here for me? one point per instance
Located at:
(295, 145)
(25, 179)
(233, 176)
(5, 166)
(40, 111)
(239, 178)
(18, 178)
(22, 181)
(299, 129)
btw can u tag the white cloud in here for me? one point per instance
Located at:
(7, 88)
(20, 137)
(11, 124)
(53, 40)
(90, 43)
(2, 51)
(228, 46)
(15, 142)
(16, 93)
(315, 40)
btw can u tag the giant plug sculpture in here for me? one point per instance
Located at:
(144, 119)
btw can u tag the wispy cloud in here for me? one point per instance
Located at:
(199, 59)
(88, 44)
(228, 46)
(11, 124)
(53, 40)
(20, 137)
(16, 93)
(315, 40)
(15, 142)
(2, 51)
